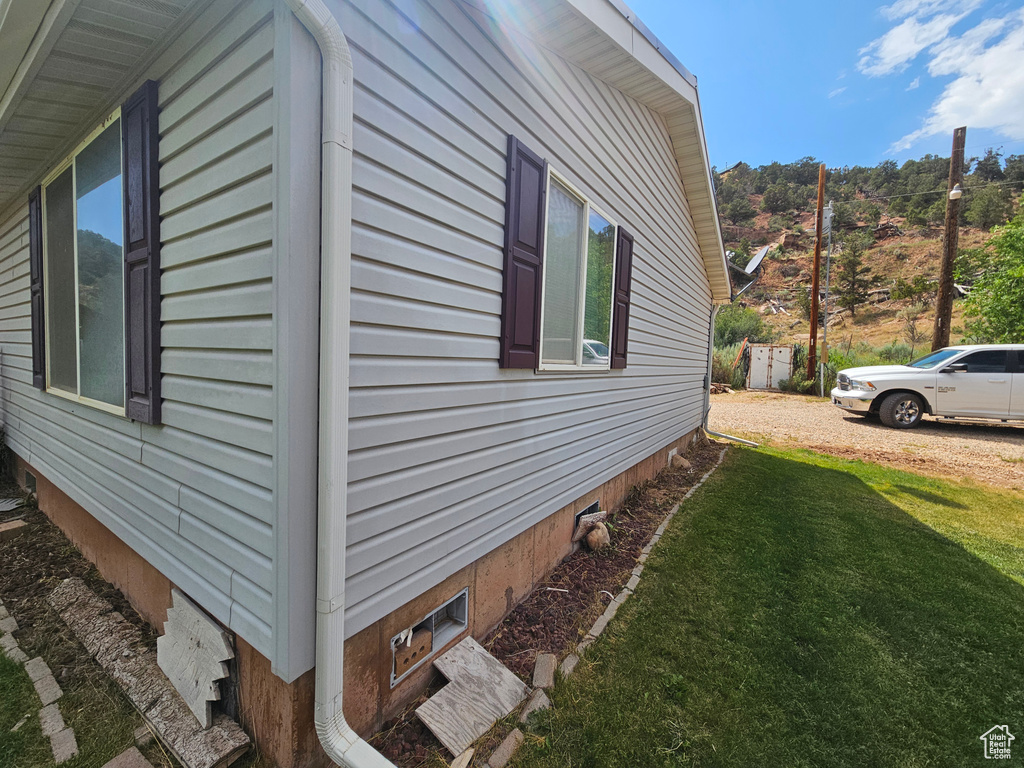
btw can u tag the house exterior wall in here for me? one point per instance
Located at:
(211, 497)
(451, 457)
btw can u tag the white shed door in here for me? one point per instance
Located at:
(769, 365)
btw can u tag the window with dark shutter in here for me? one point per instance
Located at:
(94, 246)
(526, 182)
(35, 257)
(620, 315)
(142, 255)
(565, 298)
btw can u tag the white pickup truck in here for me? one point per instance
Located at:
(979, 381)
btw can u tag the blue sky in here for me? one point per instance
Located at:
(851, 83)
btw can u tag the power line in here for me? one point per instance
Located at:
(939, 191)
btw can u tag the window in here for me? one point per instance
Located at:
(579, 270)
(83, 256)
(94, 261)
(566, 281)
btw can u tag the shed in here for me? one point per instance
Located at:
(769, 365)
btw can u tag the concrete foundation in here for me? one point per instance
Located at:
(279, 716)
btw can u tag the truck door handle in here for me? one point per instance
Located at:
(997, 381)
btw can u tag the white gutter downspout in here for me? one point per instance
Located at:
(341, 743)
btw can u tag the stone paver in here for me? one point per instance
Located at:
(544, 670)
(48, 689)
(569, 664)
(130, 758)
(51, 720)
(506, 749)
(8, 625)
(11, 649)
(3, 612)
(538, 700)
(64, 746)
(12, 529)
(36, 669)
(143, 736)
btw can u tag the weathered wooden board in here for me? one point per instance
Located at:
(480, 692)
(118, 647)
(192, 652)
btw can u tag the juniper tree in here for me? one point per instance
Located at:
(853, 279)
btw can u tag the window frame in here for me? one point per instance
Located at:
(578, 367)
(63, 165)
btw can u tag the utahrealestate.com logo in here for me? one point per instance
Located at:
(997, 742)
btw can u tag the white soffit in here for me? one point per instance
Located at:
(19, 22)
(80, 60)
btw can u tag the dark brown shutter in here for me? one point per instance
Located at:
(526, 189)
(35, 259)
(620, 316)
(142, 254)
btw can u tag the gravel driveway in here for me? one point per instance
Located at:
(987, 452)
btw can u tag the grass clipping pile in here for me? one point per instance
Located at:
(558, 613)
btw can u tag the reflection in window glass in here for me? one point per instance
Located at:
(560, 334)
(932, 360)
(60, 283)
(100, 268)
(597, 317)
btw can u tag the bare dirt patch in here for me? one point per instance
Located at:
(991, 453)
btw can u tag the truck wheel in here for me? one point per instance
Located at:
(902, 410)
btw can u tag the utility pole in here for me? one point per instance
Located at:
(828, 263)
(944, 299)
(812, 345)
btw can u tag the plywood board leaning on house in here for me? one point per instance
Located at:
(192, 652)
(480, 691)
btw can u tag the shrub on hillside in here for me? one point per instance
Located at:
(895, 352)
(735, 323)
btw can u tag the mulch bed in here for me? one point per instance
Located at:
(31, 566)
(550, 621)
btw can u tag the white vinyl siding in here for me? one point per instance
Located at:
(450, 456)
(198, 495)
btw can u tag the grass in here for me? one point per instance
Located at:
(27, 745)
(804, 610)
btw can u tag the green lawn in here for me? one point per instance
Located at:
(808, 611)
(27, 745)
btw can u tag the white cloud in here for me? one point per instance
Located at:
(922, 8)
(985, 64)
(948, 56)
(893, 51)
(836, 92)
(988, 86)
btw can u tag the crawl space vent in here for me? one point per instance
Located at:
(415, 645)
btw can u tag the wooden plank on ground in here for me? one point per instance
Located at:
(480, 692)
(117, 646)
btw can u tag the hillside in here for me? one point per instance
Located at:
(774, 205)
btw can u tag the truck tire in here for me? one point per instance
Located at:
(901, 410)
